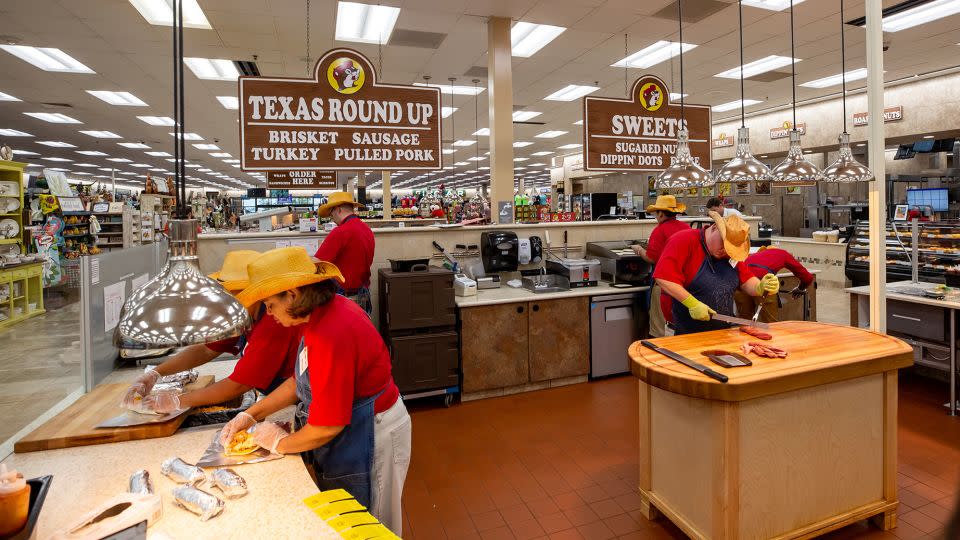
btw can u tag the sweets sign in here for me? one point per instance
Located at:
(640, 133)
(341, 119)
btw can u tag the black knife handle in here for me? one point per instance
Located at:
(713, 374)
(436, 245)
(648, 345)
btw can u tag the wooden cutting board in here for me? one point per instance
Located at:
(75, 425)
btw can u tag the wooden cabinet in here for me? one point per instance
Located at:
(559, 332)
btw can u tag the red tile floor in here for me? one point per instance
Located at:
(562, 464)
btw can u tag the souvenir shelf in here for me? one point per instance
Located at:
(117, 227)
(21, 284)
(938, 248)
(154, 205)
(11, 204)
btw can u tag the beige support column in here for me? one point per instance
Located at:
(500, 101)
(878, 187)
(385, 185)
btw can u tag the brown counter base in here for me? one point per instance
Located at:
(519, 389)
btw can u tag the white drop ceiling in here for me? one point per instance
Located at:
(128, 54)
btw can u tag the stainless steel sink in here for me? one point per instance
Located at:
(549, 283)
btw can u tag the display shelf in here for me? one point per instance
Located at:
(938, 252)
(76, 235)
(9, 241)
(27, 281)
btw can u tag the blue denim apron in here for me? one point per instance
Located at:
(714, 285)
(347, 460)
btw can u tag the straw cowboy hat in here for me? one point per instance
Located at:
(233, 272)
(736, 235)
(283, 269)
(667, 203)
(337, 198)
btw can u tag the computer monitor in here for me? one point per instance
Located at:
(935, 198)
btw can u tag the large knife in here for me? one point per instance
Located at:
(741, 322)
(686, 361)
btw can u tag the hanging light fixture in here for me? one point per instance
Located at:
(683, 172)
(846, 168)
(743, 167)
(795, 169)
(180, 306)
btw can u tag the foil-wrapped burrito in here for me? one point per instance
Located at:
(199, 502)
(230, 483)
(182, 378)
(140, 483)
(182, 472)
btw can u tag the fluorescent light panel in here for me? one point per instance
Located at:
(569, 146)
(541, 153)
(723, 107)
(53, 118)
(457, 90)
(661, 51)
(125, 99)
(757, 67)
(772, 5)
(521, 144)
(25, 153)
(188, 136)
(921, 14)
(833, 80)
(7, 97)
(229, 102)
(118, 160)
(482, 132)
(363, 23)
(134, 145)
(528, 38)
(47, 58)
(92, 153)
(447, 111)
(57, 159)
(206, 146)
(157, 120)
(160, 13)
(464, 143)
(212, 69)
(571, 92)
(523, 116)
(56, 144)
(102, 134)
(552, 134)
(220, 154)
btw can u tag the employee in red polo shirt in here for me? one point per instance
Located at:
(702, 269)
(666, 210)
(349, 246)
(771, 261)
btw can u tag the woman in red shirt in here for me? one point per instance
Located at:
(351, 427)
(666, 210)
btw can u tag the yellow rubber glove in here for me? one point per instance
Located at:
(769, 284)
(698, 310)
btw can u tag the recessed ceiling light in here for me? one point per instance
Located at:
(364, 23)
(160, 13)
(520, 144)
(47, 58)
(159, 170)
(83, 174)
(523, 116)
(660, 51)
(103, 134)
(521, 159)
(25, 153)
(572, 92)
(448, 151)
(476, 158)
(464, 142)
(14, 133)
(7, 97)
(205, 146)
(220, 154)
(85, 165)
(528, 38)
(235, 166)
(54, 118)
(537, 164)
(56, 144)
(194, 165)
(734, 105)
(833, 80)
(231, 161)
(205, 170)
(157, 120)
(212, 69)
(455, 89)
(158, 154)
(460, 164)
(578, 123)
(757, 67)
(134, 145)
(569, 146)
(56, 159)
(482, 132)
(128, 173)
(141, 165)
(188, 136)
(928, 136)
(117, 98)
(541, 153)
(773, 5)
(118, 160)
(229, 102)
(91, 152)
(921, 14)
(58, 169)
(447, 111)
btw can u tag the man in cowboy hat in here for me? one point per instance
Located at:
(666, 210)
(349, 246)
(702, 269)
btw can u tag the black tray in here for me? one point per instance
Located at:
(409, 265)
(38, 492)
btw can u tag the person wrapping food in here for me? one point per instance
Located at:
(700, 270)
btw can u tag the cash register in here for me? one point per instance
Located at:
(619, 264)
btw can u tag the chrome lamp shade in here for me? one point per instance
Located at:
(743, 167)
(795, 169)
(181, 306)
(683, 173)
(846, 168)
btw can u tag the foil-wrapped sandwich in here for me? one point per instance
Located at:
(140, 483)
(199, 502)
(182, 472)
(230, 483)
(182, 378)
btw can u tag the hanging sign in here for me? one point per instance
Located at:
(640, 133)
(341, 119)
(301, 179)
(722, 141)
(890, 114)
(783, 131)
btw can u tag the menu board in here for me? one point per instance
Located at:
(301, 179)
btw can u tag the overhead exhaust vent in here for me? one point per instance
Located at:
(693, 10)
(247, 68)
(415, 38)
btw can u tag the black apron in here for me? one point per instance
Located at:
(714, 285)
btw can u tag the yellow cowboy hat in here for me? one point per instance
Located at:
(233, 272)
(337, 198)
(735, 233)
(283, 269)
(667, 203)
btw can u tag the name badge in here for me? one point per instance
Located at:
(303, 360)
(733, 263)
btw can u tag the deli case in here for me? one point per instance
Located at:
(938, 252)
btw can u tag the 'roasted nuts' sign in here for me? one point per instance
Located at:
(301, 179)
(890, 114)
(640, 133)
(341, 119)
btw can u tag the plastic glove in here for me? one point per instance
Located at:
(239, 422)
(268, 435)
(140, 388)
(162, 402)
(698, 310)
(769, 284)
(797, 293)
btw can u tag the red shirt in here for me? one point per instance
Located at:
(681, 260)
(270, 353)
(346, 360)
(350, 246)
(772, 260)
(661, 233)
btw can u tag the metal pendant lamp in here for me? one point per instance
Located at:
(846, 168)
(743, 167)
(180, 306)
(795, 169)
(683, 173)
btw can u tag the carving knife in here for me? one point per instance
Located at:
(741, 322)
(686, 361)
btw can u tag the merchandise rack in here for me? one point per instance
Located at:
(938, 249)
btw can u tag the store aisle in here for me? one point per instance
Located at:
(562, 463)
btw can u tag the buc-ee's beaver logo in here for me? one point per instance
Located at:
(345, 75)
(651, 96)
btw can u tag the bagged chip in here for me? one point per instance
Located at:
(182, 472)
(230, 483)
(199, 502)
(140, 483)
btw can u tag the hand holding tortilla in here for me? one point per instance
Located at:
(241, 444)
(268, 435)
(240, 422)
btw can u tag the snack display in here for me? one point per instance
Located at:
(242, 444)
(182, 472)
(231, 484)
(197, 501)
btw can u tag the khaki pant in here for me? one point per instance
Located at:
(658, 323)
(392, 434)
(747, 305)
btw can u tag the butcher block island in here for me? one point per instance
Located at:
(787, 448)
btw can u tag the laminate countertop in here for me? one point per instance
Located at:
(892, 294)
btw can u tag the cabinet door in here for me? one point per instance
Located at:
(559, 339)
(494, 346)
